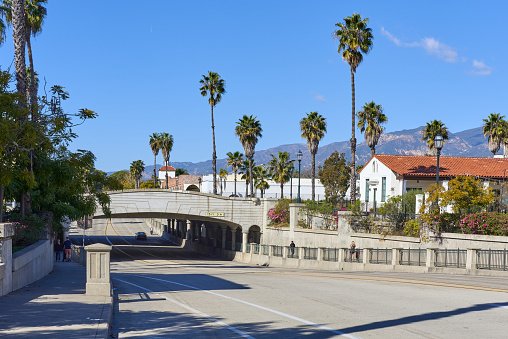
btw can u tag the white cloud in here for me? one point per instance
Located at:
(430, 45)
(479, 68)
(320, 97)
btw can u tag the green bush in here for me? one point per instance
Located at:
(279, 215)
(485, 223)
(28, 230)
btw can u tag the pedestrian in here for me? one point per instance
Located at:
(151, 230)
(292, 248)
(67, 247)
(352, 250)
(58, 250)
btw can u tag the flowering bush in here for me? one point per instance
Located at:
(28, 230)
(280, 213)
(488, 223)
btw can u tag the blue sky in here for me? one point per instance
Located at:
(138, 65)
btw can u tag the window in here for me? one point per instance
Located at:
(366, 189)
(374, 167)
(383, 189)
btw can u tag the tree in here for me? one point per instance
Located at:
(430, 131)
(249, 129)
(19, 37)
(465, 192)
(136, 170)
(3, 11)
(354, 38)
(335, 177)
(245, 170)
(369, 122)
(261, 175)
(155, 145)
(181, 171)
(313, 128)
(235, 160)
(215, 87)
(223, 175)
(123, 178)
(166, 141)
(494, 129)
(280, 169)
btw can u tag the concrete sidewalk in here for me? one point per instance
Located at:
(56, 307)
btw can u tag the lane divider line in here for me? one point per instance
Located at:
(193, 310)
(322, 327)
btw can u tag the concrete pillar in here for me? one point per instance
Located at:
(214, 235)
(233, 239)
(396, 254)
(244, 241)
(6, 234)
(472, 258)
(192, 231)
(294, 210)
(97, 270)
(366, 255)
(431, 257)
(320, 254)
(188, 229)
(223, 229)
(340, 256)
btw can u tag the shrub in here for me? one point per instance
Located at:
(28, 230)
(412, 228)
(486, 223)
(280, 213)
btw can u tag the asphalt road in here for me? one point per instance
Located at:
(167, 292)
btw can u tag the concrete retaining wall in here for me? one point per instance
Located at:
(32, 263)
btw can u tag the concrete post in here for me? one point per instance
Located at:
(214, 240)
(340, 256)
(431, 257)
(6, 234)
(301, 253)
(192, 231)
(472, 258)
(188, 230)
(396, 255)
(366, 255)
(223, 233)
(233, 239)
(294, 210)
(320, 253)
(97, 270)
(244, 241)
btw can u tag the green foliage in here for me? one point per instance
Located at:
(121, 180)
(465, 193)
(29, 229)
(486, 223)
(181, 171)
(334, 175)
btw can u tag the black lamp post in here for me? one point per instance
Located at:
(263, 169)
(291, 171)
(438, 144)
(199, 182)
(299, 155)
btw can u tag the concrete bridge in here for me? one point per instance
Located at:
(221, 221)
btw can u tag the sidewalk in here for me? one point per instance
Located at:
(55, 307)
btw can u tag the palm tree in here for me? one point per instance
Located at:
(17, 13)
(261, 174)
(166, 144)
(354, 38)
(313, 128)
(213, 86)
(369, 122)
(155, 145)
(223, 175)
(280, 169)
(430, 131)
(235, 160)
(494, 129)
(136, 170)
(245, 170)
(249, 129)
(3, 12)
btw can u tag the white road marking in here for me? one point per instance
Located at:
(254, 305)
(193, 310)
(500, 306)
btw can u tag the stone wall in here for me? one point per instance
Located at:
(32, 263)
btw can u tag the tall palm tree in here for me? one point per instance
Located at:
(223, 175)
(235, 160)
(166, 143)
(354, 38)
(261, 175)
(369, 122)
(136, 170)
(215, 87)
(17, 13)
(34, 15)
(280, 169)
(155, 145)
(504, 135)
(245, 170)
(249, 129)
(494, 130)
(430, 131)
(313, 128)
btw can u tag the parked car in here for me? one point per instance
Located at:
(140, 236)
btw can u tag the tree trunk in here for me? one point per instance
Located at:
(214, 158)
(353, 140)
(167, 179)
(313, 175)
(250, 178)
(32, 90)
(19, 37)
(246, 188)
(154, 171)
(1, 203)
(282, 190)
(373, 151)
(235, 183)
(505, 149)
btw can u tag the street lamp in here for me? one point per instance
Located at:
(438, 144)
(176, 183)
(263, 169)
(299, 155)
(199, 182)
(291, 171)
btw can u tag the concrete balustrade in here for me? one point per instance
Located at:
(98, 281)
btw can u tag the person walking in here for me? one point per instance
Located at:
(292, 248)
(352, 250)
(58, 250)
(151, 230)
(68, 249)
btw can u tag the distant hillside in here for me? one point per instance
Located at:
(469, 143)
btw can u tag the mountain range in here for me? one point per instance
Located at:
(468, 143)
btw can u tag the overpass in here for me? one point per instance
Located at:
(219, 221)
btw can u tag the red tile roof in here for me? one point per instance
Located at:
(169, 168)
(425, 166)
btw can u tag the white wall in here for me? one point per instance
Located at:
(375, 171)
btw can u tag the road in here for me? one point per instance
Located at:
(164, 291)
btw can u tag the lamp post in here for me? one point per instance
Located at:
(438, 143)
(291, 171)
(299, 155)
(263, 169)
(176, 183)
(199, 182)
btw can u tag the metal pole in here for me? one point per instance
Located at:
(437, 176)
(298, 200)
